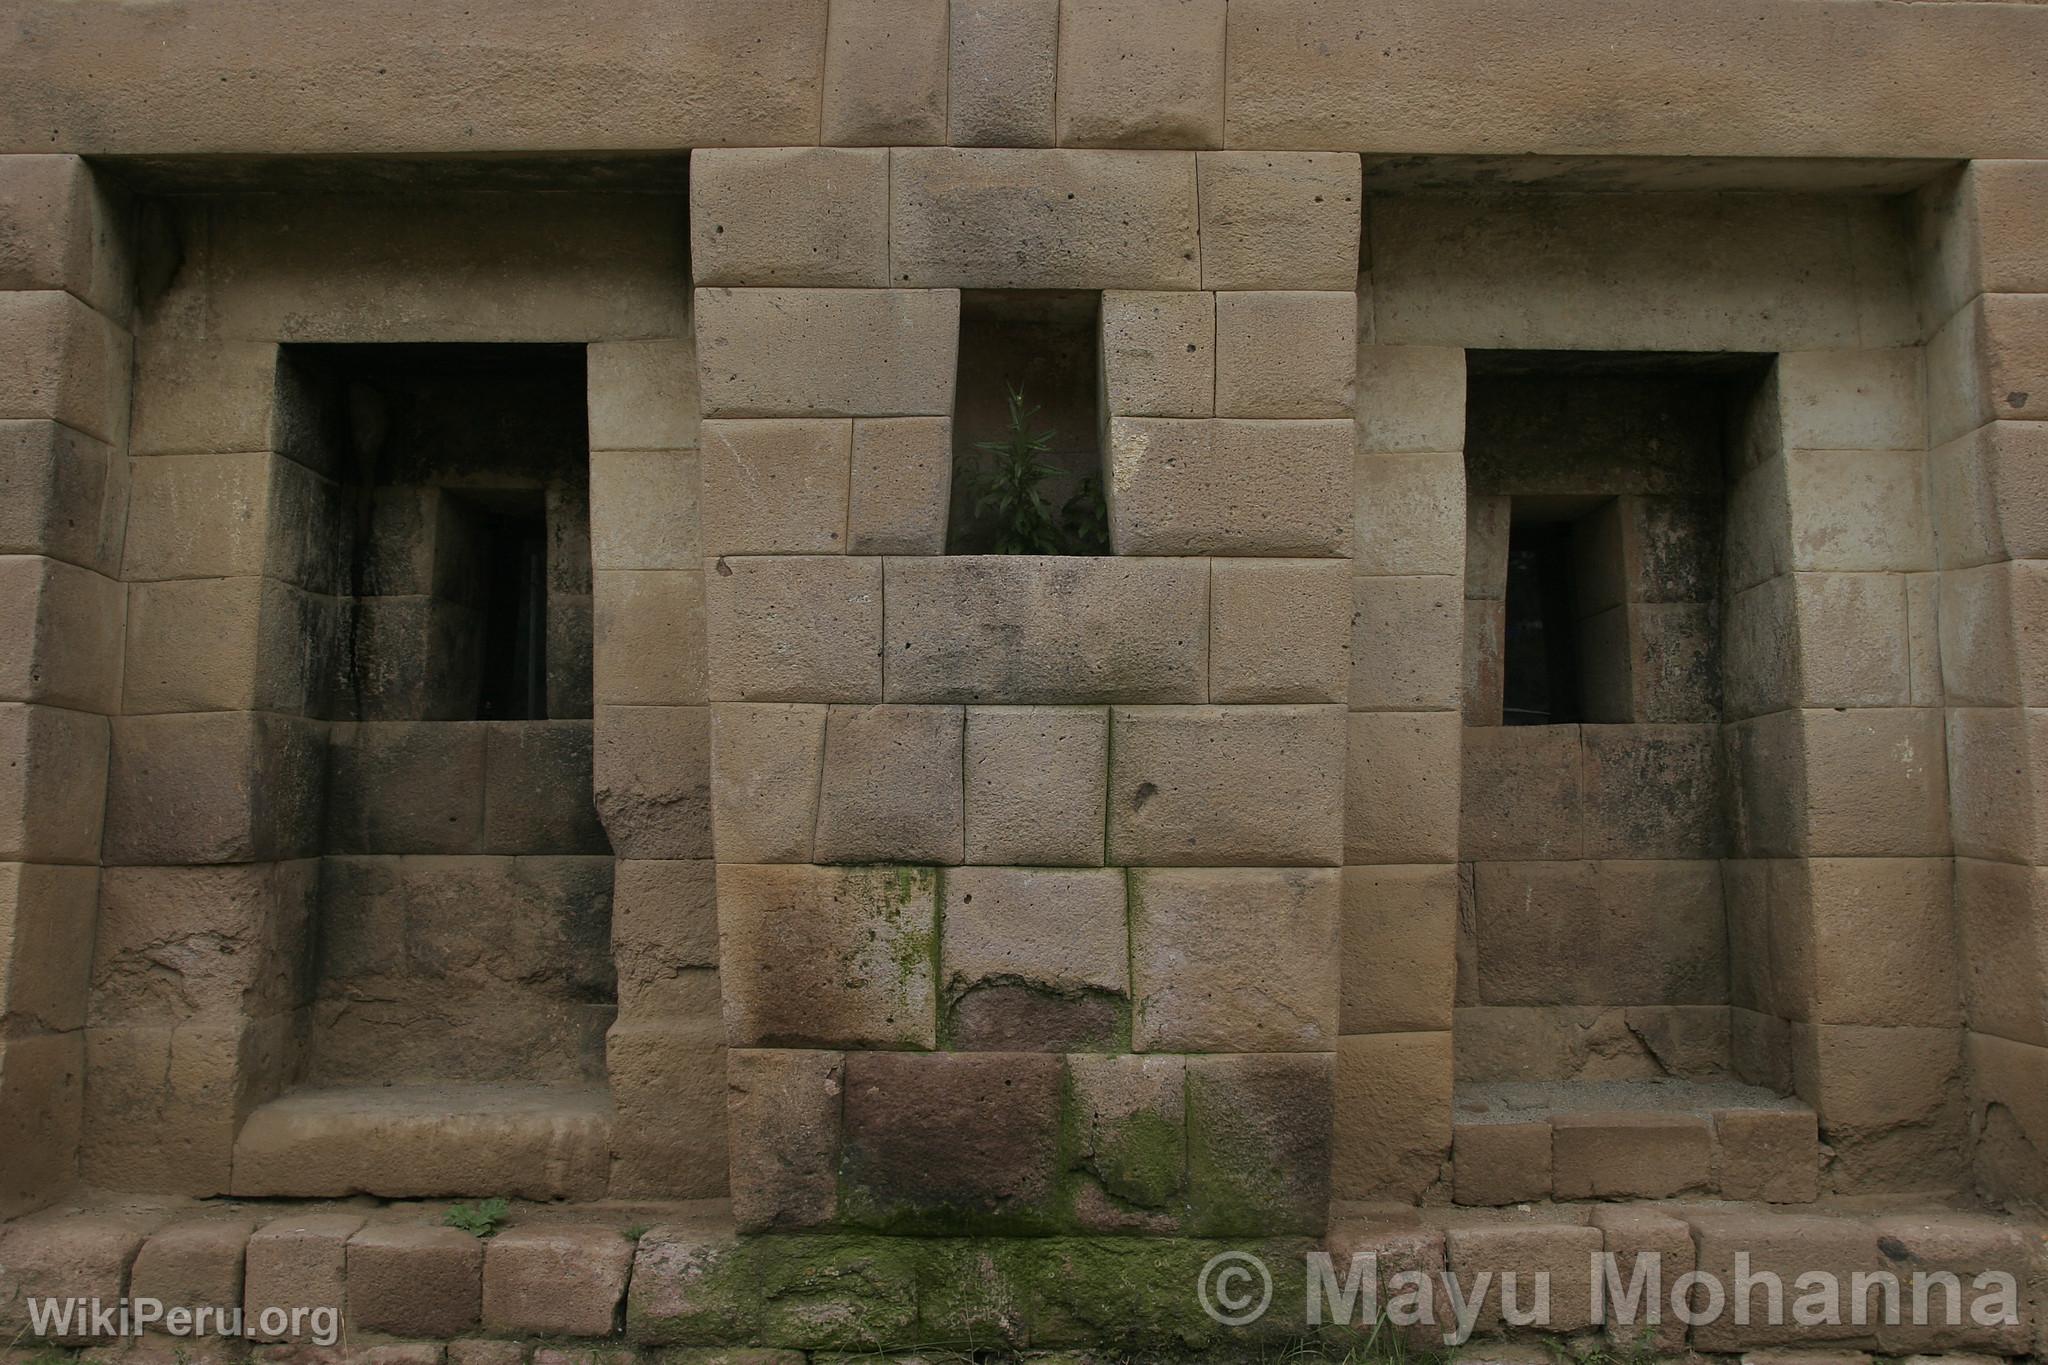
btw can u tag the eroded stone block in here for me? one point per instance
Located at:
(766, 765)
(1003, 73)
(902, 485)
(1286, 353)
(1159, 352)
(1035, 959)
(885, 73)
(776, 487)
(1215, 786)
(784, 1106)
(795, 628)
(828, 352)
(1279, 630)
(414, 1281)
(1234, 959)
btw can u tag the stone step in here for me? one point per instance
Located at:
(1515, 1142)
(474, 1140)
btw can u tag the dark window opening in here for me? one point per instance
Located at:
(512, 552)
(1540, 680)
(1027, 425)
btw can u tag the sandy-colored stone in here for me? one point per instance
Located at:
(67, 495)
(1501, 1163)
(647, 633)
(1766, 1154)
(1399, 942)
(414, 1281)
(784, 1107)
(1140, 75)
(795, 628)
(1286, 353)
(1179, 487)
(1401, 786)
(1036, 782)
(1234, 959)
(651, 776)
(815, 216)
(885, 73)
(192, 1263)
(902, 485)
(1410, 398)
(1215, 786)
(1393, 1128)
(1279, 630)
(60, 633)
(1631, 1156)
(766, 764)
(776, 487)
(1409, 514)
(298, 1261)
(555, 1281)
(1159, 352)
(1002, 77)
(827, 352)
(1407, 637)
(643, 510)
(643, 394)
(1058, 934)
(892, 788)
(1279, 220)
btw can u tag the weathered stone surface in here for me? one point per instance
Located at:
(1851, 400)
(892, 786)
(1036, 781)
(1022, 219)
(1591, 933)
(1409, 515)
(1827, 967)
(414, 1281)
(1045, 629)
(84, 1256)
(1002, 77)
(766, 765)
(71, 364)
(948, 1139)
(816, 216)
(1034, 959)
(1259, 1130)
(1766, 1154)
(60, 634)
(1500, 1163)
(214, 644)
(666, 1078)
(1631, 1156)
(1279, 220)
(1401, 786)
(298, 1261)
(643, 510)
(647, 638)
(48, 931)
(1410, 398)
(795, 628)
(828, 352)
(664, 927)
(652, 779)
(1234, 959)
(1286, 353)
(555, 1281)
(1651, 791)
(64, 231)
(776, 487)
(832, 957)
(902, 483)
(784, 1109)
(885, 73)
(1139, 75)
(204, 788)
(1279, 630)
(1407, 636)
(1966, 1245)
(642, 394)
(1522, 1256)
(192, 1263)
(1181, 487)
(1393, 1124)
(1787, 1246)
(1523, 793)
(2002, 931)
(537, 788)
(1130, 1116)
(67, 495)
(1214, 786)
(1659, 1247)
(1159, 353)
(1400, 932)
(1986, 504)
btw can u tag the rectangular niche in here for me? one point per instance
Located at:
(465, 905)
(1593, 940)
(1045, 344)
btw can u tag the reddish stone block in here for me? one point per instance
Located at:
(412, 1281)
(192, 1264)
(1500, 1163)
(555, 1281)
(1630, 1156)
(298, 1263)
(1767, 1154)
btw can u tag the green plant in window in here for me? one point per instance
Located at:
(1009, 505)
(1085, 519)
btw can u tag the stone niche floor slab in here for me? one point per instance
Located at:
(428, 1141)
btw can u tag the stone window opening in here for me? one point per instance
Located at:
(512, 554)
(1042, 348)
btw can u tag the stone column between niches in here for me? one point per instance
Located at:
(65, 319)
(1984, 303)
(1027, 866)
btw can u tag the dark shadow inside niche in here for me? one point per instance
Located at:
(1028, 428)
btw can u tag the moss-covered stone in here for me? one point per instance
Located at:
(1259, 1128)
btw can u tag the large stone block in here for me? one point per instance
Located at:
(643, 510)
(414, 1281)
(828, 352)
(1410, 398)
(1159, 353)
(1780, 1248)
(60, 634)
(221, 787)
(1036, 781)
(537, 788)
(664, 928)
(1851, 400)
(219, 644)
(213, 945)
(1994, 757)
(902, 484)
(1140, 75)
(216, 394)
(1280, 220)
(1216, 786)
(932, 1140)
(63, 231)
(1891, 1103)
(1989, 654)
(298, 1261)
(885, 73)
(1631, 1156)
(1401, 786)
(213, 516)
(555, 1281)
(1393, 1125)
(1045, 629)
(1495, 1163)
(1003, 73)
(648, 637)
(651, 775)
(2009, 1081)
(70, 363)
(784, 1107)
(642, 394)
(179, 1085)
(828, 957)
(1766, 1154)
(47, 929)
(816, 216)
(406, 787)
(1286, 353)
(892, 786)
(1523, 796)
(795, 628)
(1034, 959)
(1651, 791)
(1234, 959)
(1828, 967)
(1600, 933)
(1988, 506)
(2002, 927)
(1859, 511)
(1129, 1116)
(1875, 782)
(1409, 514)
(669, 1137)
(1400, 938)
(41, 1079)
(1179, 487)
(77, 1256)
(1407, 643)
(192, 1263)
(776, 487)
(1259, 1131)
(67, 495)
(1986, 364)
(1279, 630)
(767, 762)
(1001, 218)
(1528, 1266)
